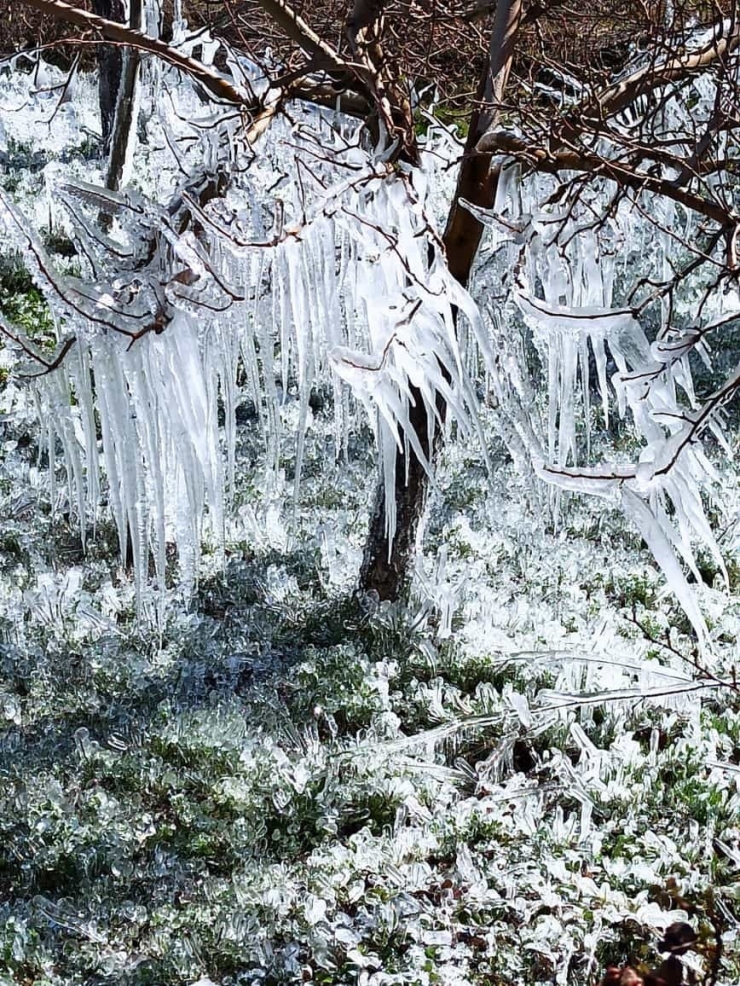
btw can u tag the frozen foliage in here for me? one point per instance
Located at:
(514, 784)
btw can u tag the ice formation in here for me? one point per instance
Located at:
(337, 276)
(591, 281)
(305, 258)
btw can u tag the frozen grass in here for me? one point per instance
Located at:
(283, 783)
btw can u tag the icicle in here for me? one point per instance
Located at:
(657, 540)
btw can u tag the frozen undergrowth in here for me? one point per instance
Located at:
(281, 785)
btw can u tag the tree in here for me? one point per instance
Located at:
(387, 566)
(596, 141)
(388, 559)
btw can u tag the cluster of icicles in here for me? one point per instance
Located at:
(336, 276)
(322, 264)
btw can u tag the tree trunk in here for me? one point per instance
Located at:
(119, 140)
(125, 124)
(387, 569)
(110, 64)
(476, 181)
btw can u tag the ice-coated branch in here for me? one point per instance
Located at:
(27, 346)
(662, 463)
(214, 82)
(613, 99)
(545, 159)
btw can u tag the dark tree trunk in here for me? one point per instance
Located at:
(124, 121)
(387, 569)
(110, 64)
(117, 116)
(477, 181)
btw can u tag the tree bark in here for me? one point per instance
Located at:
(364, 29)
(476, 181)
(387, 568)
(124, 124)
(110, 64)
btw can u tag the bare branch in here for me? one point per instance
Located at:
(615, 98)
(21, 340)
(390, 95)
(303, 35)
